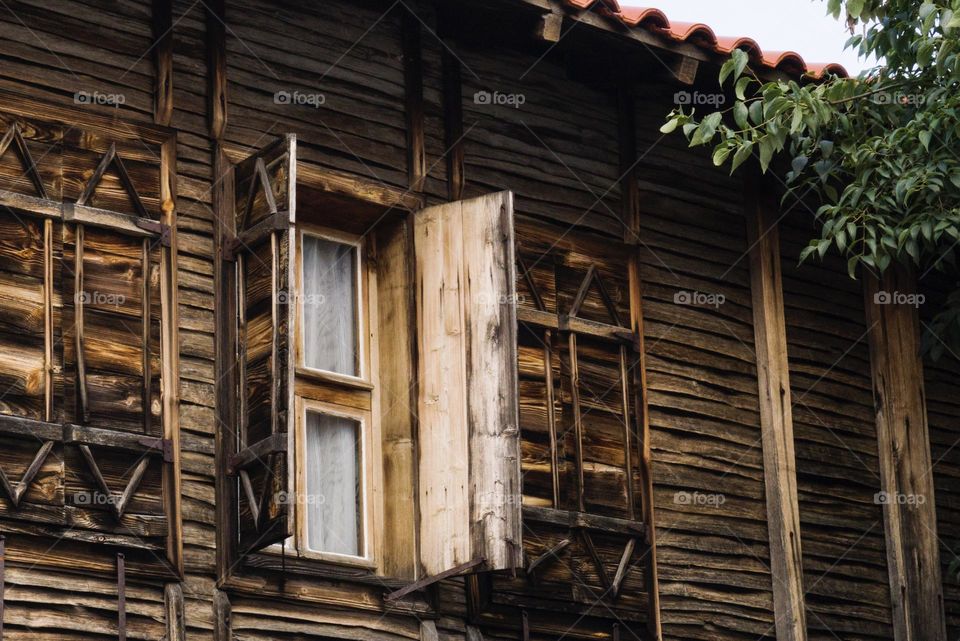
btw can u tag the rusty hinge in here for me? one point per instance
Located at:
(121, 598)
(161, 229)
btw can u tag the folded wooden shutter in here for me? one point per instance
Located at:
(265, 200)
(114, 253)
(31, 465)
(468, 431)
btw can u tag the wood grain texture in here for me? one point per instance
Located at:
(910, 522)
(469, 461)
(776, 417)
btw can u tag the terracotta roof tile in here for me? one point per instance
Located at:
(701, 35)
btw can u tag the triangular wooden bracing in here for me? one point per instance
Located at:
(549, 555)
(13, 135)
(258, 505)
(262, 180)
(15, 492)
(108, 159)
(595, 557)
(118, 504)
(591, 277)
(528, 277)
(623, 568)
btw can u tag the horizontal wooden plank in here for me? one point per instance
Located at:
(583, 520)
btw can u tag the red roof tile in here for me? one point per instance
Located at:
(702, 36)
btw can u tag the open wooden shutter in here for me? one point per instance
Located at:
(470, 510)
(265, 200)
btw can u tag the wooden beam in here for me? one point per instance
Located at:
(162, 61)
(906, 478)
(642, 424)
(225, 319)
(684, 69)
(453, 123)
(173, 604)
(456, 570)
(629, 187)
(222, 624)
(413, 91)
(549, 27)
(776, 419)
(217, 67)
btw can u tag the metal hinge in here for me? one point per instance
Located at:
(161, 229)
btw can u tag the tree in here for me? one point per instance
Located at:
(879, 152)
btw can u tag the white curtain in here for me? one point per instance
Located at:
(329, 306)
(333, 484)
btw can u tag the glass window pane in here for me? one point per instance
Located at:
(329, 300)
(333, 484)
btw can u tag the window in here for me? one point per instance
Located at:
(333, 483)
(376, 370)
(334, 389)
(330, 328)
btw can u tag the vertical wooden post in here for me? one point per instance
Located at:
(225, 305)
(146, 311)
(217, 66)
(79, 298)
(173, 601)
(453, 124)
(577, 418)
(630, 217)
(629, 188)
(413, 87)
(121, 598)
(3, 578)
(48, 364)
(162, 61)
(776, 418)
(222, 625)
(906, 478)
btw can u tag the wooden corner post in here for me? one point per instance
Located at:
(906, 469)
(776, 418)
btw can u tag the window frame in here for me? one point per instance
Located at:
(365, 464)
(361, 307)
(333, 393)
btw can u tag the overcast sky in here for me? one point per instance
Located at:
(796, 25)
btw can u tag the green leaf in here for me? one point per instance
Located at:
(742, 154)
(854, 8)
(756, 112)
(720, 154)
(766, 152)
(740, 90)
(852, 266)
(799, 163)
(826, 148)
(725, 70)
(670, 126)
(925, 139)
(740, 114)
(740, 59)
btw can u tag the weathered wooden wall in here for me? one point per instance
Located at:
(712, 539)
(558, 152)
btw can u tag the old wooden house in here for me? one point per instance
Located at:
(401, 321)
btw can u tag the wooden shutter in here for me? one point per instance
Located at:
(469, 439)
(31, 458)
(115, 258)
(265, 199)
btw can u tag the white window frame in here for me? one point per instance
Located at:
(365, 470)
(360, 308)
